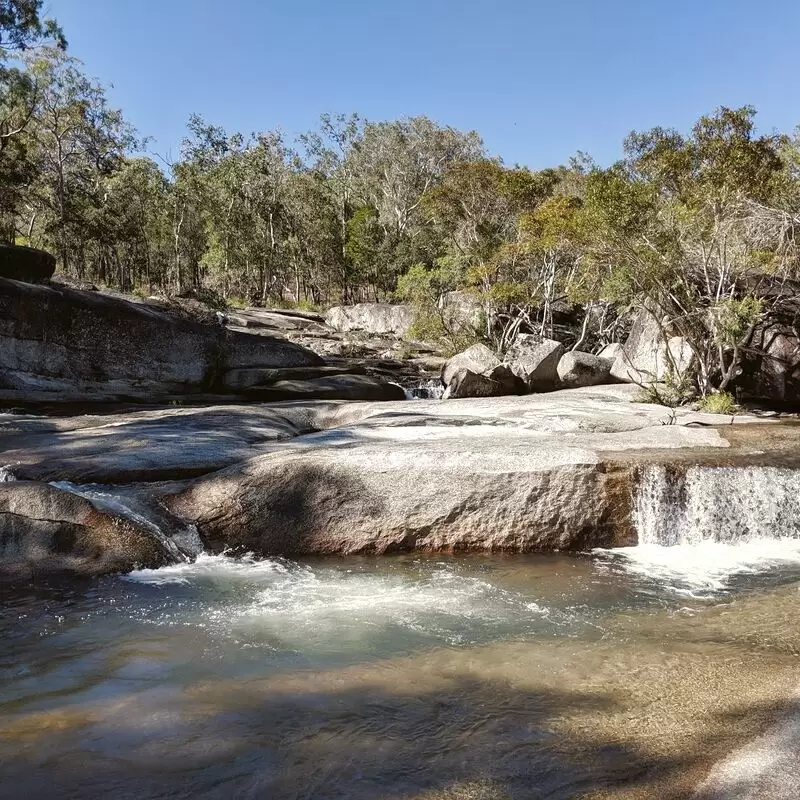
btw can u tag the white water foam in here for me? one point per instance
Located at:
(7, 474)
(273, 600)
(706, 568)
(701, 530)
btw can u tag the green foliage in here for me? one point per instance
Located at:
(692, 223)
(719, 403)
(672, 392)
(735, 317)
(21, 26)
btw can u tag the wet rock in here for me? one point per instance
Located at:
(577, 369)
(48, 530)
(535, 361)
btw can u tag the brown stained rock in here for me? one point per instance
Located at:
(48, 530)
(367, 496)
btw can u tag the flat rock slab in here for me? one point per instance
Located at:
(517, 474)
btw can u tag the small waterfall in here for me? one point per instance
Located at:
(7, 474)
(183, 544)
(432, 389)
(729, 505)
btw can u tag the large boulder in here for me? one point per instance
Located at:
(377, 318)
(45, 530)
(577, 369)
(462, 311)
(535, 361)
(61, 344)
(26, 264)
(647, 356)
(474, 493)
(480, 371)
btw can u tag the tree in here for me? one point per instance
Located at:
(686, 226)
(76, 141)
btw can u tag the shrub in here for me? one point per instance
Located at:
(719, 403)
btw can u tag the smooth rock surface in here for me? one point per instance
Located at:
(513, 473)
(379, 497)
(44, 529)
(60, 344)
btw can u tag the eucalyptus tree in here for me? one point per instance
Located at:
(135, 226)
(21, 28)
(328, 151)
(76, 140)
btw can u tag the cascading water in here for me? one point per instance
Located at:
(7, 474)
(701, 528)
(183, 542)
(717, 504)
(432, 389)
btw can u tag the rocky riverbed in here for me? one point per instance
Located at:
(538, 472)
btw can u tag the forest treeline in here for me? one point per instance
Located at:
(698, 225)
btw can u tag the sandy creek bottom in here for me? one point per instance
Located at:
(598, 676)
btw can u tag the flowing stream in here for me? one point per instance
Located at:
(623, 673)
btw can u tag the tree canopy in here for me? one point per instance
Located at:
(698, 226)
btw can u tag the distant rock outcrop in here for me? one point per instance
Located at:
(535, 361)
(478, 372)
(577, 369)
(647, 356)
(376, 318)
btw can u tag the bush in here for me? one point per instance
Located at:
(719, 403)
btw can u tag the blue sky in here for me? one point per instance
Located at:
(539, 80)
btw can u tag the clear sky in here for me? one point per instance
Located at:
(539, 79)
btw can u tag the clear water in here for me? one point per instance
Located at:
(403, 677)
